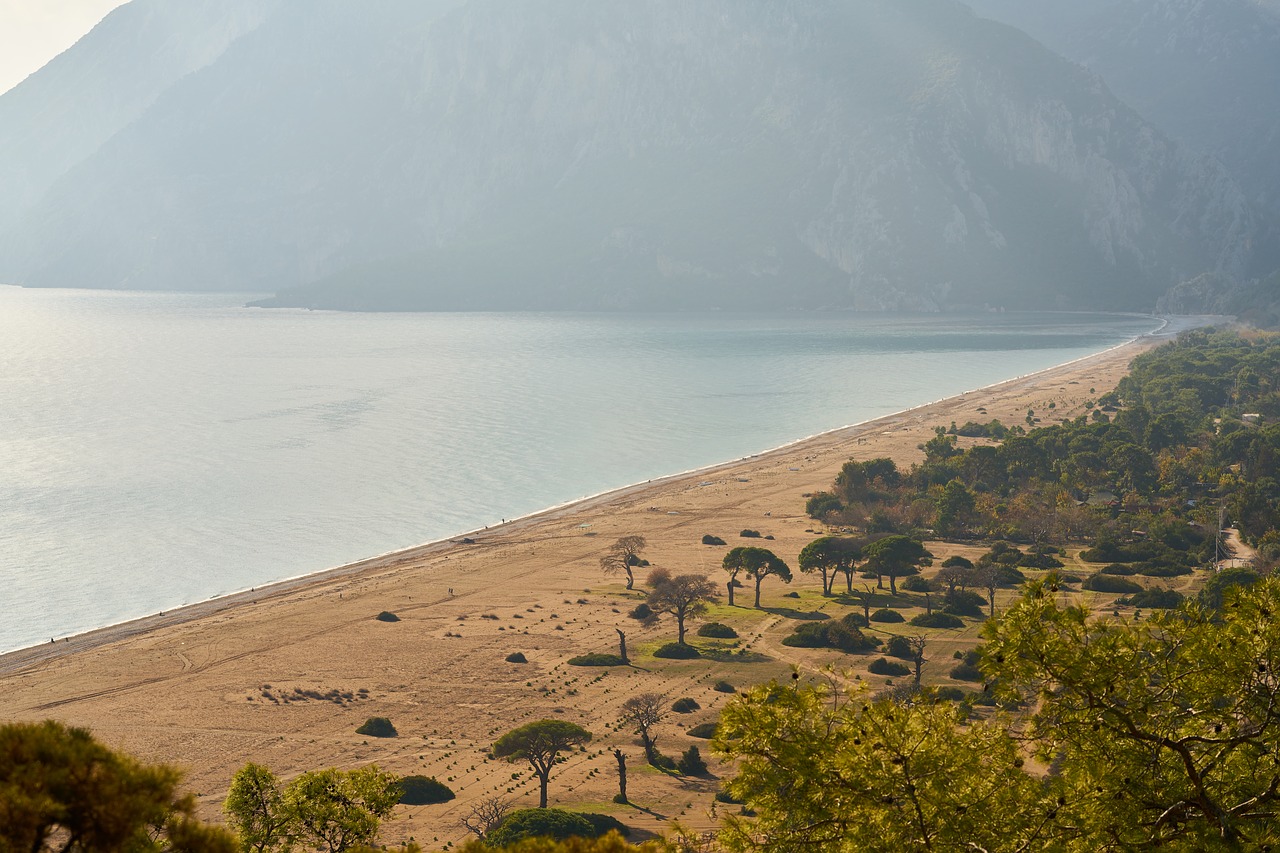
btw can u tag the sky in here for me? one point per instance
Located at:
(34, 31)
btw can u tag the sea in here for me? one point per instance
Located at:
(160, 449)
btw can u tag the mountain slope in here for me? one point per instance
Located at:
(608, 154)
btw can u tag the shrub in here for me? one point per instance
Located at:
(517, 657)
(685, 705)
(966, 672)
(792, 594)
(1119, 569)
(726, 797)
(603, 824)
(820, 504)
(1108, 583)
(884, 614)
(387, 616)
(641, 611)
(884, 666)
(750, 534)
(676, 651)
(964, 602)
(536, 823)
(1162, 570)
(724, 687)
(377, 727)
(853, 620)
(915, 583)
(708, 539)
(899, 647)
(718, 631)
(663, 762)
(424, 791)
(937, 619)
(705, 731)
(596, 659)
(658, 576)
(1160, 599)
(948, 694)
(830, 635)
(691, 763)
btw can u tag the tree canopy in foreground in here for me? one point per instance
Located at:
(1163, 733)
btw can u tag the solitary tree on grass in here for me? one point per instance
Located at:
(540, 743)
(831, 555)
(682, 596)
(622, 556)
(644, 711)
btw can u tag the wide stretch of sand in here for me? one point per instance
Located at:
(215, 685)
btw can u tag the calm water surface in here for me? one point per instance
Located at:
(161, 449)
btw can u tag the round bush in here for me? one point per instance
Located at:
(596, 659)
(1109, 583)
(387, 616)
(853, 620)
(717, 631)
(883, 666)
(685, 705)
(1159, 599)
(641, 611)
(517, 657)
(691, 763)
(603, 824)
(712, 540)
(948, 694)
(937, 619)
(1163, 570)
(676, 651)
(539, 823)
(424, 791)
(884, 614)
(377, 727)
(966, 672)
(749, 534)
(899, 647)
(705, 731)
(1120, 569)
(915, 583)
(724, 687)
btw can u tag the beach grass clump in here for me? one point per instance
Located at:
(377, 727)
(597, 659)
(424, 791)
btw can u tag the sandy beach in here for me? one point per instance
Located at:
(283, 675)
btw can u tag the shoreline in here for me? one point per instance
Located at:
(23, 659)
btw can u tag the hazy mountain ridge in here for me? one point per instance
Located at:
(609, 155)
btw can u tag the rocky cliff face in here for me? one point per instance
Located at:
(609, 154)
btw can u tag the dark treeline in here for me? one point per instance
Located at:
(1142, 476)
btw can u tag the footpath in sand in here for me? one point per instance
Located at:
(284, 675)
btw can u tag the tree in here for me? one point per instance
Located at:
(256, 811)
(621, 758)
(916, 646)
(540, 743)
(758, 563)
(956, 572)
(831, 554)
(644, 711)
(683, 597)
(62, 790)
(895, 555)
(485, 815)
(1164, 732)
(622, 556)
(338, 810)
(955, 506)
(863, 775)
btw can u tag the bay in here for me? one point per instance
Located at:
(159, 449)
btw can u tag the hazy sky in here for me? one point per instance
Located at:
(34, 31)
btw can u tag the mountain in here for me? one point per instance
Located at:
(588, 154)
(1207, 73)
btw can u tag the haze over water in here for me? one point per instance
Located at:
(160, 449)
